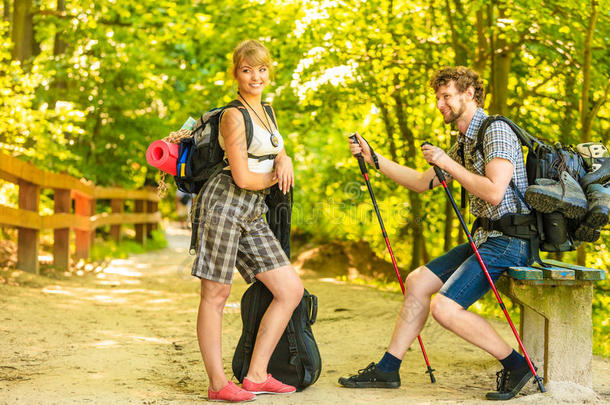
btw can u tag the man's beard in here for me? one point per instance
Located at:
(455, 115)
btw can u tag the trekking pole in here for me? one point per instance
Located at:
(441, 178)
(387, 242)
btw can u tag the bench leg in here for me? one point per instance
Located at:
(570, 334)
(559, 333)
(533, 333)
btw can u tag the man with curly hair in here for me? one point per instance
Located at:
(456, 277)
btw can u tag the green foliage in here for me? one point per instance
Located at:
(109, 248)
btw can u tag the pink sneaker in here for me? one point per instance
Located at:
(270, 386)
(231, 393)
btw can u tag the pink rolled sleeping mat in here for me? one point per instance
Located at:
(163, 156)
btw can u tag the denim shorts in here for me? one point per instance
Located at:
(463, 278)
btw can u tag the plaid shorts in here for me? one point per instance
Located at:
(233, 233)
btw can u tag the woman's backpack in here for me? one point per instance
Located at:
(296, 359)
(200, 156)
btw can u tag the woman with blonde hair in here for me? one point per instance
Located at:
(234, 234)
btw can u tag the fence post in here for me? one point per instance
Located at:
(140, 234)
(61, 237)
(27, 239)
(92, 208)
(117, 208)
(82, 206)
(150, 226)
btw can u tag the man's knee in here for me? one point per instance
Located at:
(422, 281)
(443, 309)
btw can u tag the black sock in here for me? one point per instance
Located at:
(513, 361)
(388, 363)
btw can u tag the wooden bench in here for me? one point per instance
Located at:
(555, 317)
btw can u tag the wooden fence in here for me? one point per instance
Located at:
(69, 192)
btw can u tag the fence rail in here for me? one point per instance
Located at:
(74, 210)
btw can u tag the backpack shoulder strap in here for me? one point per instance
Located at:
(247, 120)
(525, 138)
(269, 111)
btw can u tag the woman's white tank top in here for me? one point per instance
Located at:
(260, 146)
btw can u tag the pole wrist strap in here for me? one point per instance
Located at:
(373, 155)
(375, 160)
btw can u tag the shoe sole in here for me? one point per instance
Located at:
(548, 202)
(232, 402)
(597, 218)
(497, 396)
(370, 384)
(272, 393)
(586, 234)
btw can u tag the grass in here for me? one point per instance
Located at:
(110, 249)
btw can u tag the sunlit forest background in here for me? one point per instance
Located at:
(87, 85)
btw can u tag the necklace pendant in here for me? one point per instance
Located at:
(274, 140)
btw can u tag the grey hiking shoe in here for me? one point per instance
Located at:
(599, 176)
(597, 216)
(370, 377)
(598, 197)
(564, 196)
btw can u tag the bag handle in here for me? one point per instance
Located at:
(312, 309)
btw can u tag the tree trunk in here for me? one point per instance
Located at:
(59, 46)
(23, 30)
(6, 10)
(389, 128)
(461, 58)
(586, 117)
(501, 70)
(566, 134)
(59, 84)
(480, 61)
(417, 234)
(501, 55)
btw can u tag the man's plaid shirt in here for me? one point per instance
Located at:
(499, 142)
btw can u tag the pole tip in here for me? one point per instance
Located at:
(430, 370)
(539, 381)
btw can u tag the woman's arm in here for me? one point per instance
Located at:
(284, 171)
(233, 130)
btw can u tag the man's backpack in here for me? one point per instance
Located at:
(549, 232)
(296, 359)
(200, 156)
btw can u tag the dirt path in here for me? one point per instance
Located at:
(126, 335)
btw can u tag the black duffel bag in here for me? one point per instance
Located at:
(296, 360)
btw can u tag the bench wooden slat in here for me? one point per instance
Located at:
(582, 273)
(525, 273)
(557, 273)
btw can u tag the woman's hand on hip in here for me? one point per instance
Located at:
(284, 173)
